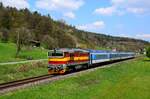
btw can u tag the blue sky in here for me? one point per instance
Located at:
(127, 18)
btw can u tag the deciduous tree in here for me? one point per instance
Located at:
(23, 38)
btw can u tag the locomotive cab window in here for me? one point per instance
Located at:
(56, 54)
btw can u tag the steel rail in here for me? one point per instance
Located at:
(23, 81)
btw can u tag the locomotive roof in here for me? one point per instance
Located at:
(106, 51)
(85, 50)
(99, 51)
(69, 50)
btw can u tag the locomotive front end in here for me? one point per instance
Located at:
(57, 62)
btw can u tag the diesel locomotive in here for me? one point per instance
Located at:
(65, 59)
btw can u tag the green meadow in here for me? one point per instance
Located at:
(19, 71)
(23, 70)
(8, 53)
(126, 80)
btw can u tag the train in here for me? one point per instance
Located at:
(63, 60)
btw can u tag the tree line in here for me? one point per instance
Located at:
(32, 26)
(23, 26)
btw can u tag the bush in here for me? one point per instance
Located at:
(148, 52)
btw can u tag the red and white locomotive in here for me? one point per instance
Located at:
(62, 60)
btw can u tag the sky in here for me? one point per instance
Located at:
(125, 18)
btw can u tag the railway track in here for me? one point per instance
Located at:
(14, 85)
(23, 81)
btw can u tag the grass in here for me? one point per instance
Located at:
(21, 71)
(8, 53)
(126, 80)
(34, 53)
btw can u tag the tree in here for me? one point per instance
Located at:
(49, 42)
(6, 20)
(4, 35)
(23, 38)
(148, 52)
(5, 24)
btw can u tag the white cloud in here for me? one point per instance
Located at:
(121, 7)
(65, 7)
(143, 36)
(69, 15)
(105, 11)
(133, 6)
(117, 1)
(19, 4)
(92, 26)
(59, 4)
(136, 10)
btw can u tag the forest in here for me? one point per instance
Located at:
(30, 27)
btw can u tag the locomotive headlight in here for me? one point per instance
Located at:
(48, 66)
(64, 66)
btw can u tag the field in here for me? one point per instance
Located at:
(8, 53)
(21, 71)
(126, 80)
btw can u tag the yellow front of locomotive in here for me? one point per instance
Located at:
(57, 62)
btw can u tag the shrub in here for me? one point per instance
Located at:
(148, 52)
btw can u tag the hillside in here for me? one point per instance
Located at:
(32, 26)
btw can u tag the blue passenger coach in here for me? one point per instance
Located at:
(98, 56)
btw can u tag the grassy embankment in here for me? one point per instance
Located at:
(8, 53)
(21, 71)
(126, 80)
